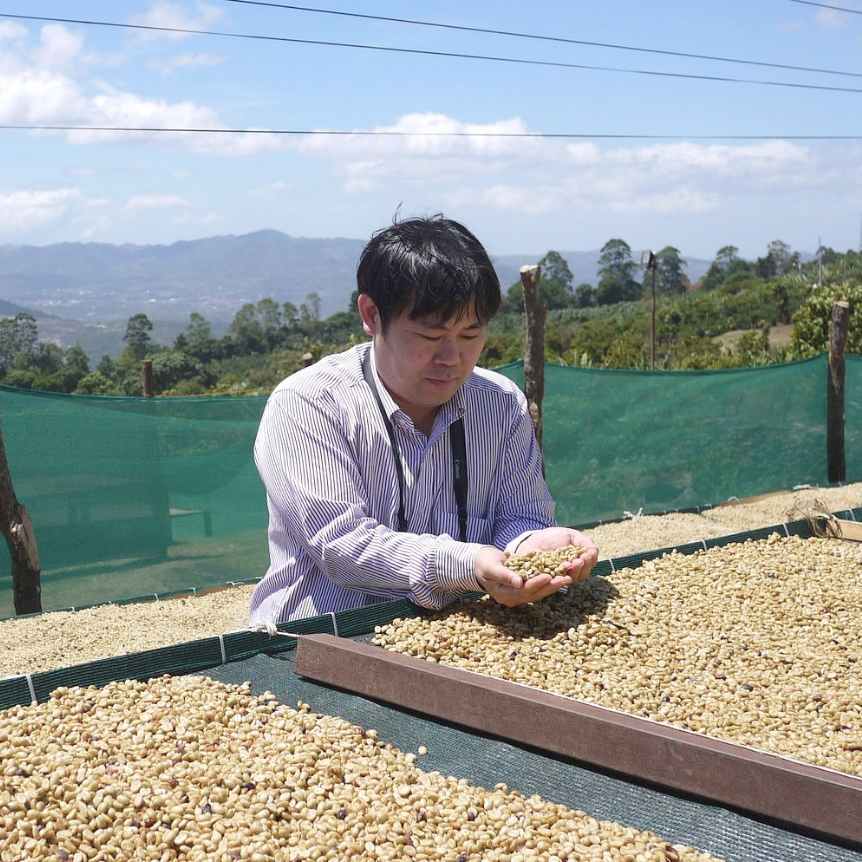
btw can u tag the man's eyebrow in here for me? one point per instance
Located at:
(434, 323)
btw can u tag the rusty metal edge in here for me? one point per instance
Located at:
(790, 792)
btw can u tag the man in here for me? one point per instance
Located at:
(396, 469)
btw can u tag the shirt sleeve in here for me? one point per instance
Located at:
(525, 504)
(313, 481)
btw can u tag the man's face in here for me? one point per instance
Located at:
(423, 362)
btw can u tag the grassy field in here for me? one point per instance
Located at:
(779, 337)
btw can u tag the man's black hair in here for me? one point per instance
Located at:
(432, 266)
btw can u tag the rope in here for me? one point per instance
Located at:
(821, 522)
(223, 651)
(636, 515)
(267, 627)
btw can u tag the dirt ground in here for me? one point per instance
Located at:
(65, 638)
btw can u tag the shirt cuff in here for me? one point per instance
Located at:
(455, 564)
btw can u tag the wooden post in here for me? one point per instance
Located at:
(18, 530)
(836, 465)
(534, 352)
(147, 378)
(654, 263)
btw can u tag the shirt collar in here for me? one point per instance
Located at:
(453, 409)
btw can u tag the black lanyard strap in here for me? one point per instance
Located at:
(459, 473)
(457, 438)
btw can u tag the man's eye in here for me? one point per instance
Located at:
(429, 337)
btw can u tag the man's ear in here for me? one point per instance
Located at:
(370, 314)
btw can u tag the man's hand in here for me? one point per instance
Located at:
(552, 538)
(509, 588)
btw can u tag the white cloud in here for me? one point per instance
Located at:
(541, 175)
(173, 15)
(40, 97)
(149, 202)
(681, 201)
(271, 190)
(831, 19)
(410, 136)
(186, 61)
(26, 209)
(37, 91)
(203, 59)
(59, 46)
(10, 30)
(532, 200)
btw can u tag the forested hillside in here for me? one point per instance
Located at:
(739, 313)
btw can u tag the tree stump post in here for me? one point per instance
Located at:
(18, 531)
(835, 455)
(147, 378)
(534, 352)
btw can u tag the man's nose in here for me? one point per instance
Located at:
(448, 353)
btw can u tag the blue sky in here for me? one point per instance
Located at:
(518, 195)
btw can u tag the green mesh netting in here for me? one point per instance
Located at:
(132, 496)
(617, 441)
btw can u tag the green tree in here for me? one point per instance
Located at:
(20, 378)
(309, 311)
(584, 296)
(77, 359)
(812, 320)
(290, 313)
(96, 383)
(617, 274)
(48, 359)
(779, 260)
(269, 314)
(555, 287)
(198, 332)
(170, 367)
(19, 341)
(246, 330)
(727, 263)
(137, 336)
(670, 279)
(107, 367)
(557, 278)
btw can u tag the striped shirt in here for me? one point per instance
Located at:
(324, 455)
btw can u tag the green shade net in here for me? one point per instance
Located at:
(134, 496)
(618, 441)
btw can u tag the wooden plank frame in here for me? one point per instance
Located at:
(767, 785)
(850, 530)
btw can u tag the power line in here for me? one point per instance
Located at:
(401, 134)
(544, 38)
(827, 6)
(448, 54)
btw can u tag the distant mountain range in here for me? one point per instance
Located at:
(85, 292)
